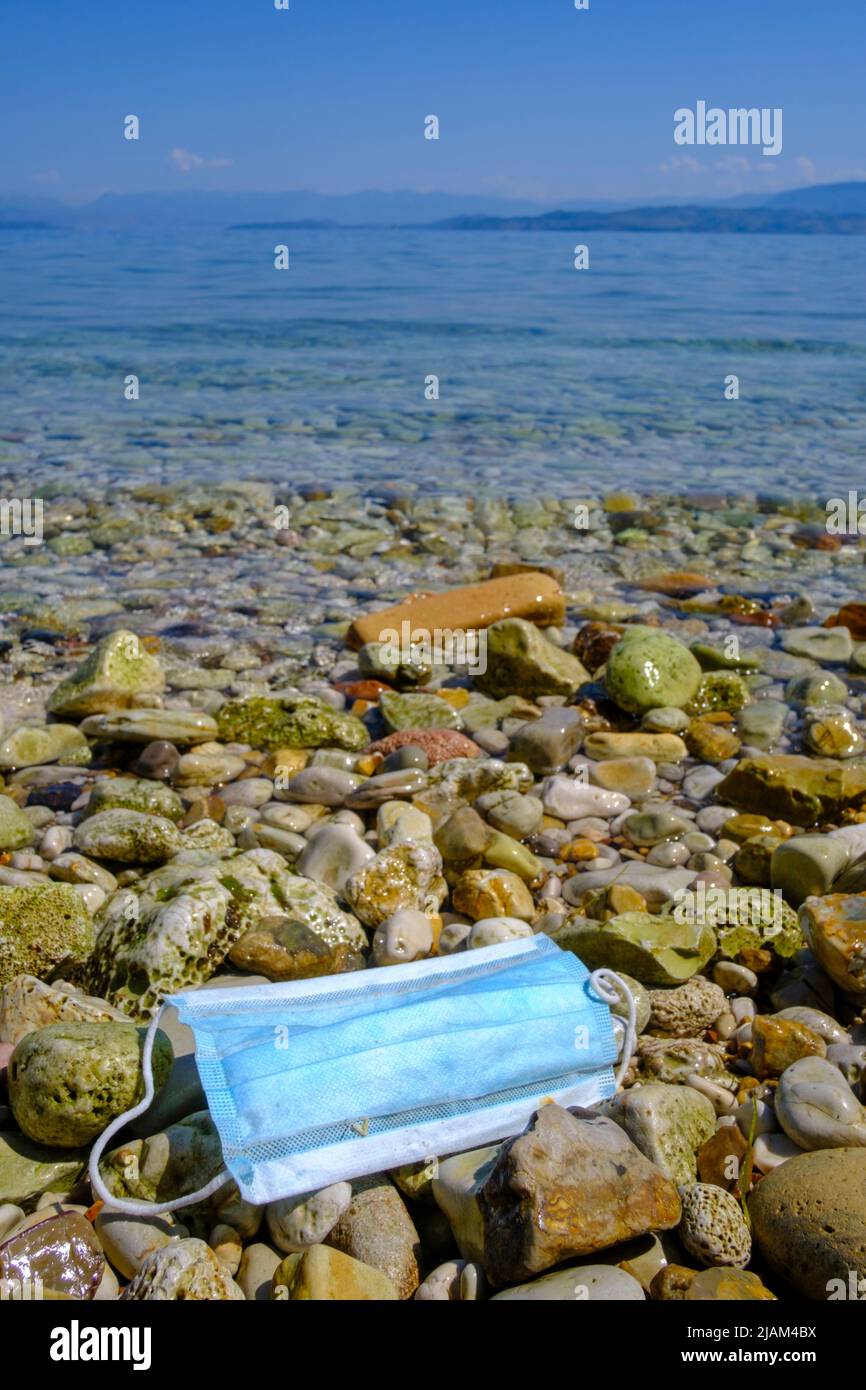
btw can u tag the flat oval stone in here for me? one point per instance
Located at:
(145, 725)
(570, 799)
(578, 1283)
(324, 786)
(817, 1108)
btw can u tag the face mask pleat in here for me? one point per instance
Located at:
(320, 1067)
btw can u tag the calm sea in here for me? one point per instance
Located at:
(552, 378)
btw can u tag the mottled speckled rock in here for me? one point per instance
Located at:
(648, 668)
(377, 1229)
(130, 837)
(688, 1010)
(713, 1228)
(438, 744)
(482, 893)
(116, 671)
(835, 928)
(752, 920)
(322, 1274)
(283, 949)
(403, 875)
(719, 690)
(809, 1221)
(179, 923)
(667, 1123)
(16, 830)
(68, 1081)
(185, 1270)
(295, 722)
(521, 661)
(571, 1184)
(778, 1042)
(42, 929)
(27, 1003)
(134, 794)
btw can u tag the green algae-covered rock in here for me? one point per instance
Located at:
(648, 668)
(27, 1169)
(292, 722)
(521, 661)
(116, 671)
(668, 1123)
(134, 794)
(179, 922)
(31, 745)
(714, 659)
(16, 829)
(754, 920)
(130, 837)
(468, 778)
(656, 950)
(803, 791)
(417, 712)
(381, 661)
(719, 690)
(41, 929)
(68, 1081)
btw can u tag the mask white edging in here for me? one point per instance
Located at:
(135, 1206)
(611, 989)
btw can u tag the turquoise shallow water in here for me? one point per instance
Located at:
(577, 381)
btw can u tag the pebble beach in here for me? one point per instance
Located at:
(217, 771)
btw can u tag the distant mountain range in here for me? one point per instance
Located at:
(838, 208)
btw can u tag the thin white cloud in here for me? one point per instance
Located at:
(186, 162)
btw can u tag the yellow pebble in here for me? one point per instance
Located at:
(456, 698)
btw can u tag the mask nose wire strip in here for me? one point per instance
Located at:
(133, 1206)
(611, 989)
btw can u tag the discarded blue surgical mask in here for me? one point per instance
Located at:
(317, 1081)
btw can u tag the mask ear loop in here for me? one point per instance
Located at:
(133, 1206)
(611, 989)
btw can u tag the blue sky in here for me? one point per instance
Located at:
(535, 98)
